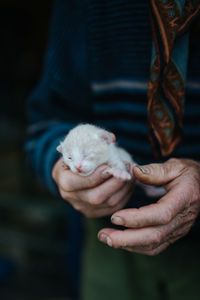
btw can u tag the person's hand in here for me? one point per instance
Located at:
(96, 195)
(153, 228)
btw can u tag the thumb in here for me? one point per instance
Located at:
(158, 174)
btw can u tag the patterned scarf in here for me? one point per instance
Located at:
(170, 23)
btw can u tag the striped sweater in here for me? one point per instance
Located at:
(96, 70)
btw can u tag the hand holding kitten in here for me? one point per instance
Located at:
(97, 195)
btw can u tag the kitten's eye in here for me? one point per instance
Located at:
(69, 157)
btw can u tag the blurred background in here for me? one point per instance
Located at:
(35, 241)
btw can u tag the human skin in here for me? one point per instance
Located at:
(97, 195)
(151, 229)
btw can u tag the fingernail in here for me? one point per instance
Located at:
(103, 237)
(117, 220)
(109, 242)
(144, 170)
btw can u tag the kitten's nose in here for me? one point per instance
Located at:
(78, 168)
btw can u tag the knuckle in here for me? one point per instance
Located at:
(67, 197)
(196, 194)
(63, 194)
(173, 160)
(95, 199)
(66, 184)
(89, 214)
(78, 206)
(92, 180)
(113, 202)
(156, 239)
(92, 201)
(179, 163)
(166, 217)
(53, 174)
(154, 252)
(187, 230)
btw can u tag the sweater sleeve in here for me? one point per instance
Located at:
(61, 98)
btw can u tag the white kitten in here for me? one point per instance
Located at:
(87, 146)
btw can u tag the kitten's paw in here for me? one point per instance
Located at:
(118, 173)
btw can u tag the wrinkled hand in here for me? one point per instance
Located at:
(153, 228)
(96, 195)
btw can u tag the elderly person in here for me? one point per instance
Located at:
(123, 65)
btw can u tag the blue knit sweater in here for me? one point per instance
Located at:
(96, 70)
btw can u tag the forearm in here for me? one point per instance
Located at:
(59, 102)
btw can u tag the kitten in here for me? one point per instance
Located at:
(87, 146)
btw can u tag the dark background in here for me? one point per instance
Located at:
(38, 254)
(34, 246)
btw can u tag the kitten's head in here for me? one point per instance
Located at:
(85, 148)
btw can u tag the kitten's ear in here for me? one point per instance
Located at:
(108, 137)
(59, 148)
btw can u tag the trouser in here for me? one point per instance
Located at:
(115, 274)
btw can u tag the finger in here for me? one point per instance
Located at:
(141, 240)
(180, 230)
(70, 182)
(159, 213)
(103, 210)
(127, 189)
(149, 238)
(101, 193)
(71, 199)
(91, 209)
(159, 174)
(153, 252)
(143, 237)
(170, 238)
